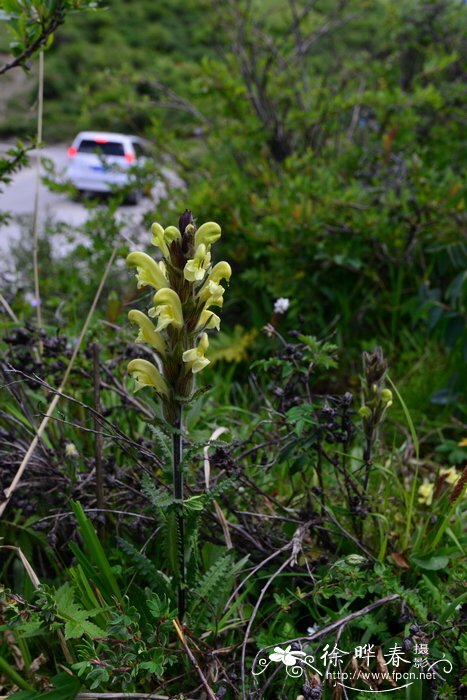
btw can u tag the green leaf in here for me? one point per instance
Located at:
(431, 563)
(160, 607)
(66, 687)
(74, 629)
(153, 667)
(159, 498)
(95, 551)
(76, 619)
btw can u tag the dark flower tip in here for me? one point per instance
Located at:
(374, 366)
(185, 220)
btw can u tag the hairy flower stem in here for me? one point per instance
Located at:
(367, 455)
(177, 452)
(187, 285)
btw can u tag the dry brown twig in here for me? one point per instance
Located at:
(193, 660)
(53, 404)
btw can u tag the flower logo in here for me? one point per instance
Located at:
(286, 656)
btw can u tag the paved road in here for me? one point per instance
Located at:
(17, 198)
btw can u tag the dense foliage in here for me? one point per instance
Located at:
(324, 476)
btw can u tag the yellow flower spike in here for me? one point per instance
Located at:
(148, 271)
(207, 234)
(208, 320)
(158, 239)
(195, 269)
(147, 332)
(194, 358)
(167, 308)
(147, 374)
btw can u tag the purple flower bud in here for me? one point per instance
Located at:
(185, 220)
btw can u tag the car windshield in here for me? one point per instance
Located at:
(106, 148)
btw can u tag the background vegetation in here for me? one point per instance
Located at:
(326, 139)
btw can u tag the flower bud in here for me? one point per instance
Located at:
(185, 220)
(364, 412)
(374, 366)
(386, 396)
(158, 239)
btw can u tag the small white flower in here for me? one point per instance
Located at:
(311, 630)
(281, 305)
(70, 450)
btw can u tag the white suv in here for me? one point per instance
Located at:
(99, 161)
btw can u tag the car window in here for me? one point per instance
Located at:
(106, 148)
(139, 150)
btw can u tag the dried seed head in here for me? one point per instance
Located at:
(374, 366)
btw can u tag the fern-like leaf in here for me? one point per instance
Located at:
(144, 567)
(160, 500)
(214, 578)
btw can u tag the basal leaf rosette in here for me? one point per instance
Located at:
(186, 286)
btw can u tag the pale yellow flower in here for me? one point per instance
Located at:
(463, 442)
(167, 308)
(450, 475)
(220, 271)
(212, 294)
(425, 492)
(171, 233)
(163, 237)
(195, 269)
(207, 234)
(147, 332)
(147, 374)
(208, 320)
(194, 358)
(148, 271)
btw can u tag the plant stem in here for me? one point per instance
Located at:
(14, 676)
(178, 495)
(98, 443)
(35, 225)
(367, 454)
